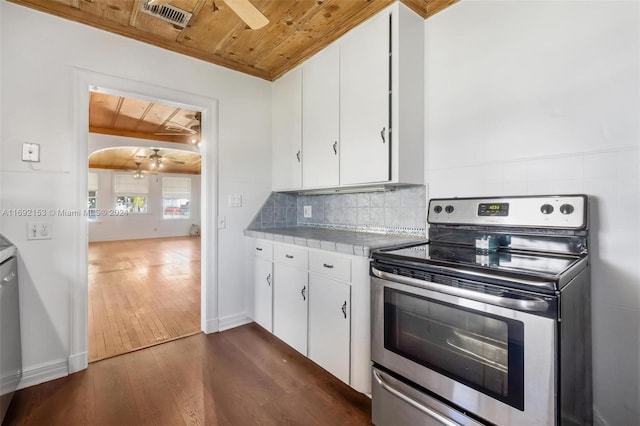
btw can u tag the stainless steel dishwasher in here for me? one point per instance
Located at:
(10, 343)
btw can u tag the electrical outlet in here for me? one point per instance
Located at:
(307, 211)
(39, 231)
(222, 222)
(31, 152)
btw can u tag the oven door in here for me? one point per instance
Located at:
(493, 361)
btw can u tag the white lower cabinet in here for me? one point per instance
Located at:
(290, 306)
(329, 325)
(263, 293)
(321, 306)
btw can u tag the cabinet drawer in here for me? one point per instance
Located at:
(330, 264)
(292, 256)
(264, 250)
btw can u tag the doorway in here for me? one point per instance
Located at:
(144, 225)
(86, 82)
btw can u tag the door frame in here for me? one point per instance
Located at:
(86, 81)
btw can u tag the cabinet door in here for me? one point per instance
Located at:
(287, 131)
(291, 292)
(329, 325)
(263, 291)
(321, 119)
(364, 103)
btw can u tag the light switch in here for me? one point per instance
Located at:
(31, 152)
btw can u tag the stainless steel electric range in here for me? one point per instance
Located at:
(488, 322)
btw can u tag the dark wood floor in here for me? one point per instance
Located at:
(242, 376)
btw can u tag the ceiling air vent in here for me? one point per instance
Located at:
(167, 13)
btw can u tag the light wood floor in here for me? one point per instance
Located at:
(141, 293)
(243, 376)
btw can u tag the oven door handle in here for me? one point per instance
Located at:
(530, 304)
(426, 410)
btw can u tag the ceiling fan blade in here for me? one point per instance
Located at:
(171, 125)
(248, 13)
(174, 161)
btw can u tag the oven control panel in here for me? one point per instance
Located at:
(550, 211)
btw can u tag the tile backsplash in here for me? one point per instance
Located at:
(400, 211)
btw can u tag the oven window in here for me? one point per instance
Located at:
(480, 350)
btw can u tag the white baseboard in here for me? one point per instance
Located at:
(210, 326)
(78, 362)
(43, 373)
(232, 321)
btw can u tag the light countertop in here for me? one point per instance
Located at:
(349, 242)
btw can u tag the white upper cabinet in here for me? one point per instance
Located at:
(321, 119)
(364, 96)
(364, 103)
(287, 131)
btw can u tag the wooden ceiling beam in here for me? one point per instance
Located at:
(184, 139)
(143, 116)
(116, 112)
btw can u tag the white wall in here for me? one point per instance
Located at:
(39, 53)
(143, 225)
(544, 97)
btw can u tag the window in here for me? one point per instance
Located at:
(176, 198)
(92, 199)
(131, 194)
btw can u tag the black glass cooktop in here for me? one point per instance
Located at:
(501, 260)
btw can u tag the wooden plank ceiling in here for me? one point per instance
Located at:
(136, 118)
(297, 28)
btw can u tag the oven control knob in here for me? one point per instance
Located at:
(546, 209)
(437, 209)
(566, 209)
(449, 209)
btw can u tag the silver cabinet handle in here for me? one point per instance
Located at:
(326, 265)
(304, 293)
(426, 410)
(532, 304)
(298, 156)
(269, 279)
(288, 256)
(344, 309)
(382, 134)
(335, 147)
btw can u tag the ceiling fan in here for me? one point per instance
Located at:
(157, 159)
(243, 8)
(176, 129)
(138, 173)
